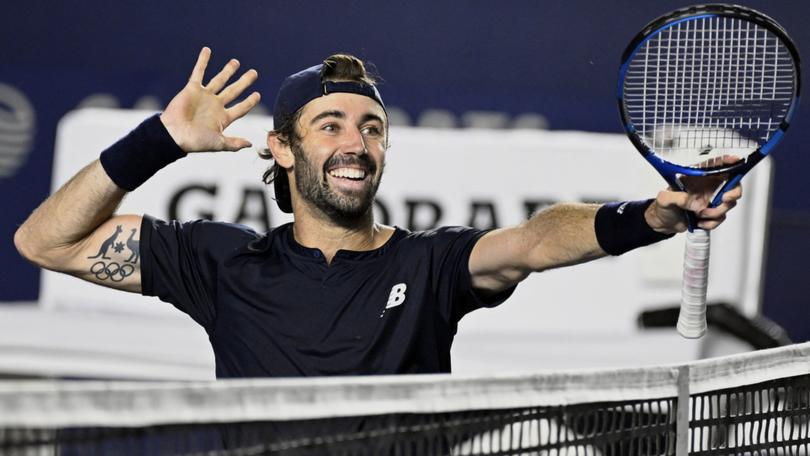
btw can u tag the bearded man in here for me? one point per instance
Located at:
(332, 293)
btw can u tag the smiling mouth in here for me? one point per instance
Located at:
(353, 174)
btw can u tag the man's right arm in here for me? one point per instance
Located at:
(75, 230)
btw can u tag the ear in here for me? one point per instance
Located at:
(282, 153)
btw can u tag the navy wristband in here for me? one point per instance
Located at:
(139, 155)
(621, 227)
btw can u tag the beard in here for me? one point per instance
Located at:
(313, 185)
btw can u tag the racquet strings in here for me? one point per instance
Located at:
(709, 86)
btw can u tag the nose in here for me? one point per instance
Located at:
(355, 142)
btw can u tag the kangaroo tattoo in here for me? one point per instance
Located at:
(105, 246)
(134, 246)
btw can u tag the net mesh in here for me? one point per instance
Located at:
(769, 417)
(708, 86)
(628, 427)
(757, 403)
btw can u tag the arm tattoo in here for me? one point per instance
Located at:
(114, 270)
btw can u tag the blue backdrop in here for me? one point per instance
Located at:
(554, 58)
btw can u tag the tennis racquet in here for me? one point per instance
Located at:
(697, 85)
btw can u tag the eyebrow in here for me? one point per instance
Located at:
(371, 116)
(325, 114)
(341, 115)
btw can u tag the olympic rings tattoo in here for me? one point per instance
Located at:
(112, 271)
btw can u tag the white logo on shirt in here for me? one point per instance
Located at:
(396, 297)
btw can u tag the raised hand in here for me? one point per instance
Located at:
(197, 116)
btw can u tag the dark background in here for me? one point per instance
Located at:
(555, 58)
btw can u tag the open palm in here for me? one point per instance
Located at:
(197, 116)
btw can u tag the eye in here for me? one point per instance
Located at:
(370, 130)
(330, 127)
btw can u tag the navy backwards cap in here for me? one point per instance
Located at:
(295, 92)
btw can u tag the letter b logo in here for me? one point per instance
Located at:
(397, 295)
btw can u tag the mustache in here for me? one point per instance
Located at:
(363, 162)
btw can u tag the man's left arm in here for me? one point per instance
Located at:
(566, 234)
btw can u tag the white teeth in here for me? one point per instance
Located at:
(351, 173)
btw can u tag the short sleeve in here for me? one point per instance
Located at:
(179, 262)
(451, 271)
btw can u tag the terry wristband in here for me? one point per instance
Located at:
(621, 227)
(139, 155)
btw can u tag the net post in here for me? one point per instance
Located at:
(682, 416)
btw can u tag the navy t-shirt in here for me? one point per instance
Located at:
(274, 308)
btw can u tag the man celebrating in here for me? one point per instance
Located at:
(333, 292)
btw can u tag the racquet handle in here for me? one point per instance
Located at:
(692, 319)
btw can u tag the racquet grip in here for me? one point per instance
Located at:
(692, 319)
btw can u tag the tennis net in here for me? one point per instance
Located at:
(755, 403)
